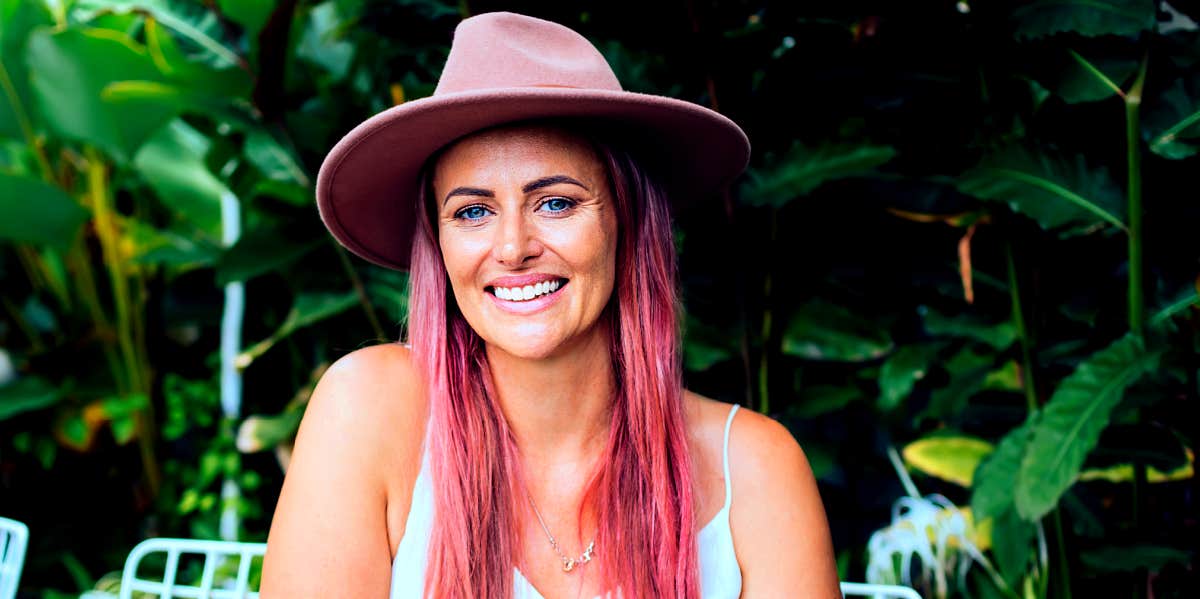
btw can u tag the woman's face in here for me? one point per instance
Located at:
(528, 233)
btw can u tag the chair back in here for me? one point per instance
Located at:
(14, 536)
(878, 591)
(214, 554)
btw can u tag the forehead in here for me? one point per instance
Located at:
(518, 152)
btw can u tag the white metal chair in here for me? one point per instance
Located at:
(878, 591)
(14, 537)
(212, 585)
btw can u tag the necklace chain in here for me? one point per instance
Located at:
(568, 563)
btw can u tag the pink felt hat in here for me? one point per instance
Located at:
(504, 68)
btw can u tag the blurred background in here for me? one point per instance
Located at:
(962, 267)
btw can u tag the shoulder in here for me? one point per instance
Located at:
(374, 391)
(755, 441)
(780, 532)
(372, 398)
(361, 432)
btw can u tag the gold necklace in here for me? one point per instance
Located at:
(568, 563)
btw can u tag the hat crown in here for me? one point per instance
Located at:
(506, 50)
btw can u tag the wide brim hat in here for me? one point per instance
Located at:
(505, 68)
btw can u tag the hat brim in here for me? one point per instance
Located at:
(368, 183)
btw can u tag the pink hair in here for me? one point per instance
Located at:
(642, 490)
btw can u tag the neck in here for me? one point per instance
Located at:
(558, 407)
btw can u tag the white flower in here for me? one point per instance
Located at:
(939, 535)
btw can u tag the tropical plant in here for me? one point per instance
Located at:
(965, 231)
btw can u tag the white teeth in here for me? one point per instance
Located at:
(528, 292)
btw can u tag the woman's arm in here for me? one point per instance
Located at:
(780, 532)
(329, 535)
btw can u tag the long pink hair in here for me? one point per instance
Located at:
(642, 490)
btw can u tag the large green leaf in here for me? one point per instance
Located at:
(190, 20)
(901, 371)
(1090, 18)
(822, 399)
(1071, 423)
(17, 19)
(804, 169)
(1076, 79)
(1171, 121)
(70, 70)
(996, 475)
(1061, 193)
(172, 163)
(27, 394)
(705, 345)
(260, 251)
(968, 371)
(35, 212)
(1012, 545)
(321, 42)
(999, 336)
(952, 458)
(165, 247)
(820, 330)
(252, 15)
(309, 308)
(273, 160)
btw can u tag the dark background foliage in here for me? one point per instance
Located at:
(959, 218)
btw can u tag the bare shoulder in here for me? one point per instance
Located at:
(361, 431)
(780, 533)
(372, 398)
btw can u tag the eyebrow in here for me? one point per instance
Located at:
(528, 187)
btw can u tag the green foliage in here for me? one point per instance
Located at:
(74, 68)
(825, 331)
(1060, 193)
(33, 212)
(804, 169)
(1040, 18)
(937, 225)
(1070, 423)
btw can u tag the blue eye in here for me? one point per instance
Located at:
(557, 204)
(472, 213)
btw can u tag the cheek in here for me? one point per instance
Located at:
(461, 255)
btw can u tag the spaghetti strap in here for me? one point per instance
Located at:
(725, 451)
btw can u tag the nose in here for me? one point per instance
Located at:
(516, 240)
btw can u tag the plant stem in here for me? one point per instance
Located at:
(361, 292)
(1133, 155)
(1064, 579)
(1018, 316)
(128, 327)
(764, 398)
(1136, 302)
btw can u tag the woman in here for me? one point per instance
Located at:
(534, 438)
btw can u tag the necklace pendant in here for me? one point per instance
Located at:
(568, 564)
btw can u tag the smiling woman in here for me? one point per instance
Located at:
(534, 438)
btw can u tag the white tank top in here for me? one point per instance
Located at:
(720, 575)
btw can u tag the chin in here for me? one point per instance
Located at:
(528, 349)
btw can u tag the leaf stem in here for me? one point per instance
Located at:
(1133, 154)
(361, 292)
(1097, 73)
(1064, 582)
(1136, 302)
(1018, 316)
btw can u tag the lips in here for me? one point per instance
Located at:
(525, 287)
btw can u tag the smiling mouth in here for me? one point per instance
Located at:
(528, 292)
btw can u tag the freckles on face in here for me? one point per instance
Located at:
(528, 233)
